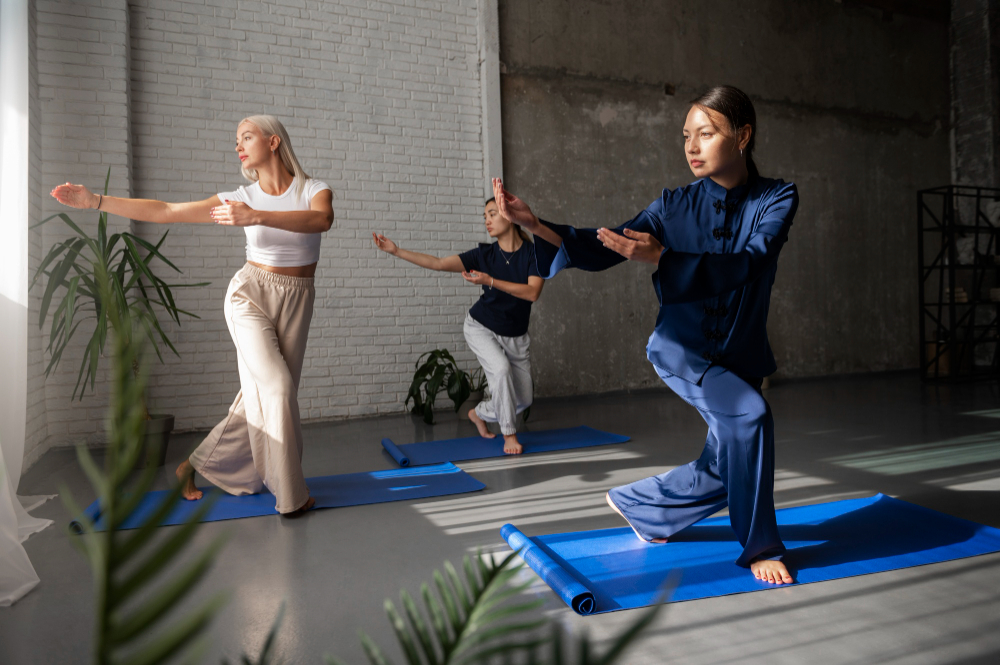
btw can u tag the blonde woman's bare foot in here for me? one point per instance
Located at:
(480, 425)
(658, 541)
(306, 507)
(185, 476)
(511, 445)
(774, 572)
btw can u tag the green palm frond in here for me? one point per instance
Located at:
(477, 621)
(267, 656)
(585, 651)
(138, 576)
(80, 268)
(466, 618)
(438, 372)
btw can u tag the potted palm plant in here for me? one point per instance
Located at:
(438, 372)
(477, 384)
(79, 271)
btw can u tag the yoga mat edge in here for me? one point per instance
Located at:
(336, 491)
(91, 512)
(395, 453)
(574, 594)
(476, 447)
(827, 541)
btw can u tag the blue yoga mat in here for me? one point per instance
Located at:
(476, 447)
(610, 569)
(351, 489)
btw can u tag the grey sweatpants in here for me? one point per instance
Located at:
(507, 366)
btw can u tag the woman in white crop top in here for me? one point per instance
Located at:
(268, 309)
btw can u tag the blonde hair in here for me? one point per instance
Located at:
(270, 126)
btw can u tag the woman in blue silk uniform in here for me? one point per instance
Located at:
(715, 243)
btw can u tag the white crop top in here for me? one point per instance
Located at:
(278, 247)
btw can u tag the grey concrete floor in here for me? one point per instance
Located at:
(938, 447)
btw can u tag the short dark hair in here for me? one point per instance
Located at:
(736, 107)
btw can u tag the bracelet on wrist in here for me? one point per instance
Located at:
(100, 200)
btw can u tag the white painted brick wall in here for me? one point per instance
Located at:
(36, 429)
(79, 128)
(382, 101)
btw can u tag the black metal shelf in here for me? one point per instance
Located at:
(966, 266)
(952, 332)
(967, 228)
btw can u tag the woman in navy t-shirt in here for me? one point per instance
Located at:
(496, 328)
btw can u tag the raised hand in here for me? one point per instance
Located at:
(514, 208)
(383, 243)
(75, 196)
(234, 213)
(480, 278)
(634, 245)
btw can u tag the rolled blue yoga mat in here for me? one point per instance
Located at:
(395, 453)
(351, 489)
(476, 447)
(572, 592)
(610, 569)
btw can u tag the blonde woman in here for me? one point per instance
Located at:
(268, 309)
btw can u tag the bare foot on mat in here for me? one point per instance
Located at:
(480, 425)
(185, 476)
(774, 572)
(511, 446)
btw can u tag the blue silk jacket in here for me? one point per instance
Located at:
(714, 276)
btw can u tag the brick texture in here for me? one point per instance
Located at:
(381, 100)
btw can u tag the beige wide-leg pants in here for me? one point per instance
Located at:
(259, 443)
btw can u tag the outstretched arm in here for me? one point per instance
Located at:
(530, 291)
(564, 246)
(687, 277)
(446, 264)
(143, 210)
(318, 219)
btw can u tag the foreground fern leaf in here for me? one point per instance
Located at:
(471, 623)
(135, 594)
(460, 622)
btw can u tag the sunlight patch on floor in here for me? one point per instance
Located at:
(972, 449)
(543, 459)
(979, 481)
(551, 501)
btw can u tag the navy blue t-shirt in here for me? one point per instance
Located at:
(499, 311)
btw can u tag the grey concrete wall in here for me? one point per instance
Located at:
(851, 108)
(975, 92)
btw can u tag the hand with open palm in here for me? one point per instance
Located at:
(514, 208)
(75, 196)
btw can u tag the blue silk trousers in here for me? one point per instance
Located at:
(736, 469)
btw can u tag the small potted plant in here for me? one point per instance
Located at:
(83, 268)
(438, 372)
(477, 384)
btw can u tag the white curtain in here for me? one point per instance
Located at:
(17, 576)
